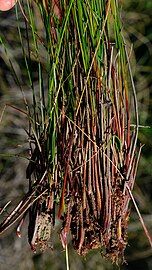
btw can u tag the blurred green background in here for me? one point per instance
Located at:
(15, 253)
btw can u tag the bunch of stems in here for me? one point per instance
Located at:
(82, 146)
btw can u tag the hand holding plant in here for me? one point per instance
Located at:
(6, 5)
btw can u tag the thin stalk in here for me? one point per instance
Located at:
(67, 257)
(140, 216)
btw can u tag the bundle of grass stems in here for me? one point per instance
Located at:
(83, 150)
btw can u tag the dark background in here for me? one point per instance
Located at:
(15, 253)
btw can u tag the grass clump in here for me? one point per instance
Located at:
(83, 159)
